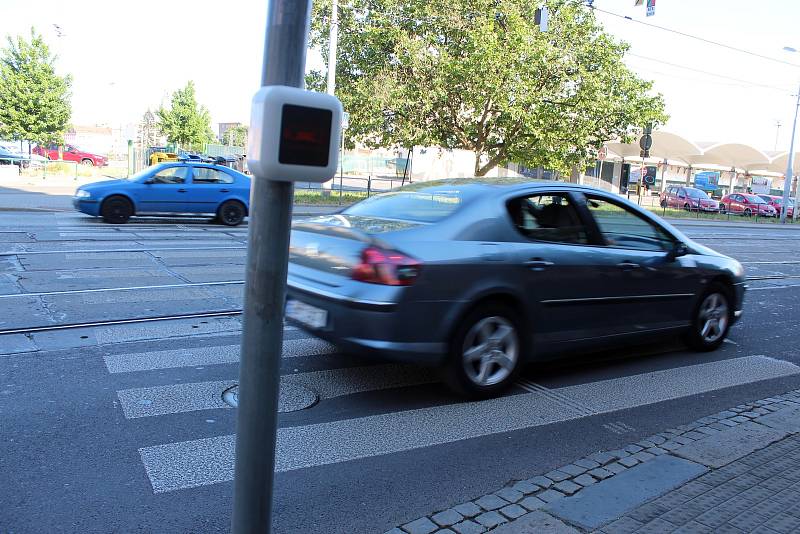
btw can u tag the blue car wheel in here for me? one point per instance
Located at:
(231, 213)
(116, 210)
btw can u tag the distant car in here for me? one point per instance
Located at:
(688, 198)
(746, 204)
(169, 188)
(480, 276)
(776, 202)
(7, 157)
(71, 153)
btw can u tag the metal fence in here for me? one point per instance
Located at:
(653, 203)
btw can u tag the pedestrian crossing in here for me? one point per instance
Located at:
(349, 436)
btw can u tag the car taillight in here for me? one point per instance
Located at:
(386, 267)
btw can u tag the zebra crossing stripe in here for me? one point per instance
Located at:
(199, 462)
(327, 384)
(165, 359)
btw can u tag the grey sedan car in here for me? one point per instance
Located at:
(480, 276)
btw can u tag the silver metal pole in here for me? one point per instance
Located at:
(265, 290)
(787, 182)
(332, 46)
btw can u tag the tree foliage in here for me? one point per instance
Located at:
(236, 136)
(34, 100)
(479, 75)
(186, 122)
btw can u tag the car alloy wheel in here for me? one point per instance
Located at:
(748, 212)
(486, 351)
(231, 213)
(491, 351)
(87, 162)
(712, 319)
(117, 210)
(664, 204)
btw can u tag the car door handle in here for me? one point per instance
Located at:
(537, 264)
(628, 266)
(224, 190)
(181, 190)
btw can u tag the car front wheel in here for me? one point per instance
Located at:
(231, 213)
(485, 353)
(116, 210)
(87, 162)
(664, 204)
(711, 320)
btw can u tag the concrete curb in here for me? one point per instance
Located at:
(704, 440)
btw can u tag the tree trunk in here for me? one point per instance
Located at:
(481, 170)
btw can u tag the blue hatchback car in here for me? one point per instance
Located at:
(169, 188)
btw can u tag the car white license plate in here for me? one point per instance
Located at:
(306, 314)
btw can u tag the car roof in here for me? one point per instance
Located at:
(509, 184)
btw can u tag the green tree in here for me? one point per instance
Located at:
(236, 136)
(34, 100)
(186, 122)
(479, 75)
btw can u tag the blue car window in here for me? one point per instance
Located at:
(204, 175)
(172, 175)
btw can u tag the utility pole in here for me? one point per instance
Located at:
(787, 182)
(332, 45)
(265, 290)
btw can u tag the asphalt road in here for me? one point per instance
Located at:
(122, 427)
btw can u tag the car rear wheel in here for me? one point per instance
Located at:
(87, 162)
(485, 352)
(231, 213)
(116, 210)
(711, 319)
(723, 209)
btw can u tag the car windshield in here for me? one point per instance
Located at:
(755, 199)
(426, 205)
(697, 193)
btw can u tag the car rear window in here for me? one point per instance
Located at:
(426, 206)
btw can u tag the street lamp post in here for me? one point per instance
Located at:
(787, 182)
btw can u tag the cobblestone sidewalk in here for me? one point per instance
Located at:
(734, 471)
(758, 493)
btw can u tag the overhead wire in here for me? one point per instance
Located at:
(714, 74)
(696, 37)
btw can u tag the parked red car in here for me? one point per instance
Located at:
(71, 153)
(746, 204)
(688, 198)
(776, 202)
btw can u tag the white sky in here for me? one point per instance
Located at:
(126, 59)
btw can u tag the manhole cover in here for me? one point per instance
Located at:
(292, 398)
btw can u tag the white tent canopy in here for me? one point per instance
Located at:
(678, 150)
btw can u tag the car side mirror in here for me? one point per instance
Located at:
(678, 250)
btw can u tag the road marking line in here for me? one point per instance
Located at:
(188, 464)
(166, 359)
(533, 387)
(327, 384)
